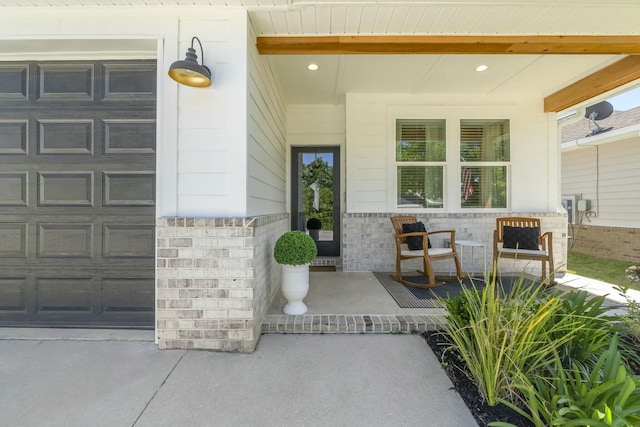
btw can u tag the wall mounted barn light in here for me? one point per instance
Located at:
(189, 72)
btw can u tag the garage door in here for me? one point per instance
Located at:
(77, 193)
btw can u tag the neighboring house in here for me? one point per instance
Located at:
(128, 200)
(603, 171)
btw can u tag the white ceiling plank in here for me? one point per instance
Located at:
(323, 20)
(414, 16)
(397, 20)
(279, 22)
(338, 20)
(262, 22)
(445, 14)
(381, 26)
(294, 23)
(353, 20)
(368, 20)
(503, 18)
(308, 19)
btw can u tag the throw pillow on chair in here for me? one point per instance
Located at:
(414, 242)
(521, 237)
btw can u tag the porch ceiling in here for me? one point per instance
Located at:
(535, 75)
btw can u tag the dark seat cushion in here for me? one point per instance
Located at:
(521, 237)
(414, 242)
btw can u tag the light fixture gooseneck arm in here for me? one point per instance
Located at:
(201, 52)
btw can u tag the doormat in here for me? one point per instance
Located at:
(322, 268)
(411, 297)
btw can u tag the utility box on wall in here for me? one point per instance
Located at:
(584, 205)
(569, 203)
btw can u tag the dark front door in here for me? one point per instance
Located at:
(77, 193)
(315, 196)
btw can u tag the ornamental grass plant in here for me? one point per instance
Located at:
(533, 348)
(506, 336)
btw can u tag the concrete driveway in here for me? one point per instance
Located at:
(301, 380)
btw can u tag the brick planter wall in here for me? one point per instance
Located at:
(214, 280)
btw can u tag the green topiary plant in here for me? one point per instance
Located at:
(295, 248)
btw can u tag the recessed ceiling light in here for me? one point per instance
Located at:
(312, 67)
(482, 67)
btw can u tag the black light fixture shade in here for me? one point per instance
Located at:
(189, 72)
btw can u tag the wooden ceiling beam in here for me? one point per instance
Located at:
(615, 75)
(371, 45)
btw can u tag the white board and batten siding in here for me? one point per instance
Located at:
(370, 148)
(609, 177)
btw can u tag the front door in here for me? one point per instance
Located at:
(315, 196)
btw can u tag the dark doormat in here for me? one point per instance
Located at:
(322, 268)
(411, 297)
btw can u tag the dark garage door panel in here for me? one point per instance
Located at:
(77, 193)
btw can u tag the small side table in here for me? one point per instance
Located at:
(473, 245)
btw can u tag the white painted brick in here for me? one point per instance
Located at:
(167, 293)
(167, 334)
(215, 314)
(241, 314)
(241, 293)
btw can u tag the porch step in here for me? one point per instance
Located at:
(327, 261)
(351, 323)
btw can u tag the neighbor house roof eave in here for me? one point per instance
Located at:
(600, 139)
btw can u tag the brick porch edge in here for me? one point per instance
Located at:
(350, 323)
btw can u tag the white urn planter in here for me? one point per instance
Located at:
(295, 250)
(295, 285)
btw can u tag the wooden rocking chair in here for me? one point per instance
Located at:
(427, 254)
(539, 249)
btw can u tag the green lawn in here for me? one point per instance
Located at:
(606, 270)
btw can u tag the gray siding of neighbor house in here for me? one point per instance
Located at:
(608, 175)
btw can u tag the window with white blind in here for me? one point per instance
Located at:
(484, 161)
(420, 163)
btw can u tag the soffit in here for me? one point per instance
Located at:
(529, 75)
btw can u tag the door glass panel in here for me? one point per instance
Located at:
(316, 209)
(317, 200)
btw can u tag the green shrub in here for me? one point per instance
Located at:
(295, 248)
(594, 334)
(458, 307)
(606, 395)
(631, 319)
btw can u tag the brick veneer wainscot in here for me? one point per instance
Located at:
(369, 245)
(214, 280)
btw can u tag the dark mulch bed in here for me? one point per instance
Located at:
(483, 413)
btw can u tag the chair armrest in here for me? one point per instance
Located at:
(413, 233)
(452, 236)
(547, 240)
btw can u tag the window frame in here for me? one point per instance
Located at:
(426, 163)
(485, 163)
(452, 167)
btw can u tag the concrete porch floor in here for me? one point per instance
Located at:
(347, 302)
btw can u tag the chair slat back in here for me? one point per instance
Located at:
(515, 222)
(397, 222)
